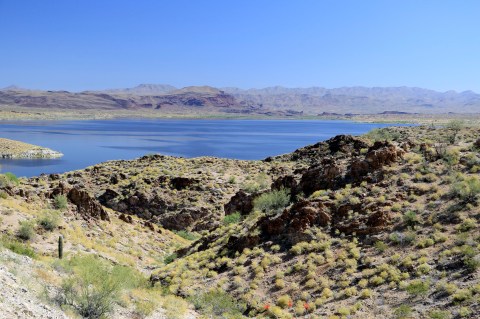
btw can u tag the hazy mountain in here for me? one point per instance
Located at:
(144, 89)
(316, 100)
(13, 88)
(270, 101)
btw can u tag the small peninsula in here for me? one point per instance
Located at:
(14, 149)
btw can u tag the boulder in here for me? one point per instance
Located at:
(126, 218)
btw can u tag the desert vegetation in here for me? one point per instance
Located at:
(380, 226)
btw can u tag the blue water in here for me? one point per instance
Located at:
(86, 143)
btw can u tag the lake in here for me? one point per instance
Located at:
(86, 143)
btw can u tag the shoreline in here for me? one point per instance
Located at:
(63, 115)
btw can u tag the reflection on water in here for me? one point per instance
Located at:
(86, 143)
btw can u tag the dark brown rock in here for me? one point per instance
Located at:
(345, 144)
(287, 181)
(180, 183)
(241, 202)
(107, 197)
(87, 206)
(324, 176)
(126, 218)
(149, 225)
(184, 218)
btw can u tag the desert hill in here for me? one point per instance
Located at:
(384, 225)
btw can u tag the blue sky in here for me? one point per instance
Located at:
(79, 45)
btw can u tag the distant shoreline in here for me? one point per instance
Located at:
(65, 115)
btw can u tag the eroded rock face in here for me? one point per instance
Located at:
(186, 216)
(87, 206)
(241, 202)
(382, 154)
(108, 197)
(338, 146)
(287, 181)
(324, 176)
(289, 227)
(346, 144)
(365, 225)
(334, 173)
(296, 219)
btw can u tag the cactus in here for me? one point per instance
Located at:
(60, 247)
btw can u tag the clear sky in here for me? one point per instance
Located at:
(96, 44)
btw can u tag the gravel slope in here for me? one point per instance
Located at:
(16, 299)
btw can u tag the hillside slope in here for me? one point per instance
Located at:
(385, 225)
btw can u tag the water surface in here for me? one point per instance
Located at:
(86, 143)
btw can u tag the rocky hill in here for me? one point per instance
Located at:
(274, 101)
(384, 225)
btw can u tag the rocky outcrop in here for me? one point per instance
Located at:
(295, 220)
(366, 225)
(241, 202)
(180, 183)
(324, 176)
(187, 216)
(289, 227)
(335, 172)
(288, 182)
(87, 206)
(338, 147)
(382, 154)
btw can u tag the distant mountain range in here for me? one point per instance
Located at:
(267, 101)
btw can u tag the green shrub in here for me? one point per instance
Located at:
(404, 311)
(440, 314)
(418, 287)
(49, 220)
(380, 246)
(8, 180)
(94, 285)
(382, 134)
(467, 225)
(60, 202)
(410, 218)
(26, 231)
(467, 189)
(170, 258)
(462, 295)
(272, 201)
(464, 312)
(17, 247)
(218, 304)
(454, 126)
(471, 263)
(232, 218)
(187, 235)
(283, 301)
